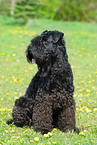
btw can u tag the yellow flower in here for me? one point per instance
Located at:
(15, 137)
(25, 70)
(12, 131)
(95, 109)
(77, 87)
(5, 109)
(72, 66)
(80, 95)
(13, 47)
(31, 68)
(81, 90)
(36, 138)
(76, 108)
(81, 133)
(20, 36)
(81, 55)
(93, 88)
(95, 72)
(18, 27)
(2, 77)
(90, 114)
(25, 28)
(6, 59)
(46, 135)
(86, 86)
(23, 43)
(3, 54)
(21, 31)
(50, 134)
(1, 99)
(55, 129)
(81, 109)
(49, 143)
(6, 131)
(21, 48)
(16, 97)
(13, 54)
(75, 95)
(25, 131)
(15, 80)
(4, 122)
(88, 110)
(31, 141)
(81, 105)
(7, 93)
(87, 95)
(54, 142)
(89, 101)
(8, 55)
(88, 91)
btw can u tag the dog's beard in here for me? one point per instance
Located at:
(45, 70)
(43, 66)
(29, 55)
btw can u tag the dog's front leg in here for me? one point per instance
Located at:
(22, 111)
(33, 86)
(66, 119)
(42, 115)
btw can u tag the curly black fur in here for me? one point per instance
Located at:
(48, 101)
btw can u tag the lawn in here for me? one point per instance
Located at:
(16, 73)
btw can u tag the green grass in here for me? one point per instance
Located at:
(16, 73)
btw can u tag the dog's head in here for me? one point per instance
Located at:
(44, 48)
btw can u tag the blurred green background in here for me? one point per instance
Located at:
(65, 10)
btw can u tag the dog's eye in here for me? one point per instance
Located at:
(44, 39)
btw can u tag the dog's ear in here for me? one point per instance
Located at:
(29, 55)
(57, 36)
(44, 32)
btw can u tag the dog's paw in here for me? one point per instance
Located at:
(76, 130)
(9, 121)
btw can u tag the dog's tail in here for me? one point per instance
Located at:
(9, 121)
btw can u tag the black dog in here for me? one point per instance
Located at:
(48, 101)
